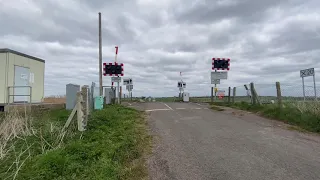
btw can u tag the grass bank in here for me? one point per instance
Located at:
(290, 114)
(113, 147)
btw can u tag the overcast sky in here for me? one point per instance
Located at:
(266, 40)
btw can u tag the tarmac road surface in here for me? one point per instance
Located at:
(194, 142)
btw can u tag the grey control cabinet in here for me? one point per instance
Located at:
(109, 95)
(71, 95)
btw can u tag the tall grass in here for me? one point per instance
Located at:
(24, 135)
(303, 115)
(112, 147)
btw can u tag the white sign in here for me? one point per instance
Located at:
(116, 79)
(219, 75)
(31, 78)
(215, 81)
(307, 72)
(129, 87)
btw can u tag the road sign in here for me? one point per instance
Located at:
(307, 72)
(129, 87)
(219, 75)
(116, 79)
(127, 81)
(215, 81)
(220, 93)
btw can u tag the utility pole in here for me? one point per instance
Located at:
(100, 57)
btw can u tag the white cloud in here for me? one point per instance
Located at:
(267, 41)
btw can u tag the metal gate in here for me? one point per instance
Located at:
(21, 79)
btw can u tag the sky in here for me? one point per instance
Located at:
(266, 40)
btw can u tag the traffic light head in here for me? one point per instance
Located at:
(113, 69)
(220, 64)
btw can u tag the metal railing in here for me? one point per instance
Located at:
(14, 95)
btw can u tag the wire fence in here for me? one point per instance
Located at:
(266, 94)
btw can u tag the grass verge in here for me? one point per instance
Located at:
(306, 120)
(113, 147)
(216, 108)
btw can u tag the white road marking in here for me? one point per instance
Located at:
(168, 106)
(198, 104)
(180, 108)
(150, 110)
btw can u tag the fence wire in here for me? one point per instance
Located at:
(242, 95)
(267, 93)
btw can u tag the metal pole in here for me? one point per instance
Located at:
(100, 57)
(304, 95)
(315, 87)
(215, 93)
(212, 94)
(131, 95)
(118, 83)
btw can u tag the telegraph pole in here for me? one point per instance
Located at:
(100, 57)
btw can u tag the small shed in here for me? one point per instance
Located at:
(21, 77)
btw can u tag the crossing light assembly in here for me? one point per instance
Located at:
(112, 69)
(220, 64)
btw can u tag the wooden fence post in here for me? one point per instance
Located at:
(279, 97)
(85, 105)
(80, 117)
(234, 95)
(253, 96)
(229, 95)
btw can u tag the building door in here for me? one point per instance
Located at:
(21, 78)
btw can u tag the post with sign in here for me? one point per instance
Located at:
(217, 65)
(305, 73)
(115, 70)
(129, 86)
(181, 85)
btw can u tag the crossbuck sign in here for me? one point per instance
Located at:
(307, 72)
